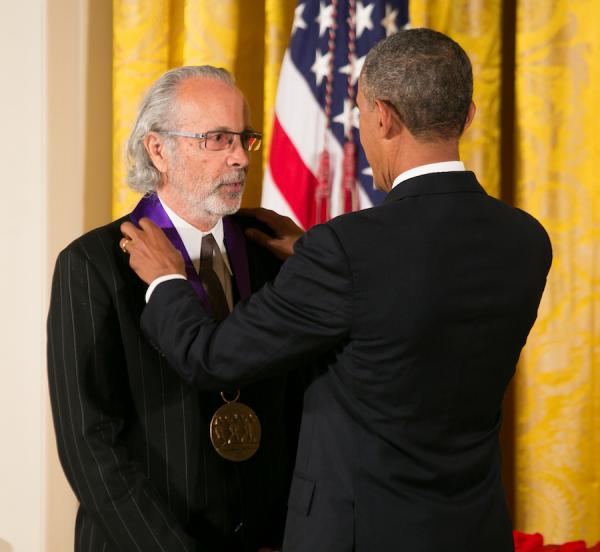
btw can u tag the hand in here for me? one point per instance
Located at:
(285, 229)
(151, 254)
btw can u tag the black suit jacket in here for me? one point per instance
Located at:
(422, 306)
(133, 438)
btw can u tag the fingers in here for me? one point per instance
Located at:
(248, 211)
(279, 224)
(258, 236)
(260, 213)
(282, 248)
(148, 226)
(134, 235)
(271, 218)
(151, 254)
(128, 229)
(131, 231)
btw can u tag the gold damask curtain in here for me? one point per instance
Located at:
(557, 396)
(534, 143)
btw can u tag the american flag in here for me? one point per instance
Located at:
(317, 168)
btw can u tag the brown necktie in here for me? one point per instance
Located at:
(210, 280)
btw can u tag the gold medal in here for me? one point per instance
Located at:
(235, 430)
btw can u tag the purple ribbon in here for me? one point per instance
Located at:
(235, 243)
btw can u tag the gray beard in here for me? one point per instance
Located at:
(211, 203)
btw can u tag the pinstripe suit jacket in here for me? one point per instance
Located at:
(133, 437)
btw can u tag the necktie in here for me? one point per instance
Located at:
(210, 280)
(234, 429)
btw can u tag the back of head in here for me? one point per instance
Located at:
(157, 112)
(426, 77)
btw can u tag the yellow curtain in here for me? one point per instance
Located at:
(477, 26)
(247, 38)
(551, 85)
(557, 391)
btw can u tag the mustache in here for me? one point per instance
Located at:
(234, 177)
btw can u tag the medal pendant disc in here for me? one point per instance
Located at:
(235, 431)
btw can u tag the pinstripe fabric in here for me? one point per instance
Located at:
(133, 438)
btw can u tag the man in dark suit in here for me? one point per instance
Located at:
(420, 305)
(133, 438)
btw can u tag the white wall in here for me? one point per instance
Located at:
(55, 159)
(23, 286)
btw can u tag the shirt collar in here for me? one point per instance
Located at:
(192, 237)
(444, 166)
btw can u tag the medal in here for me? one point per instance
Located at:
(235, 430)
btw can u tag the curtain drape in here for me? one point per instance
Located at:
(557, 391)
(477, 27)
(534, 142)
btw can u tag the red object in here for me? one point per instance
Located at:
(575, 546)
(535, 543)
(527, 543)
(349, 192)
(324, 189)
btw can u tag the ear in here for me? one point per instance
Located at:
(157, 150)
(470, 116)
(386, 118)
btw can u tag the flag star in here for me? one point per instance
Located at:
(299, 23)
(348, 117)
(321, 66)
(325, 18)
(355, 117)
(368, 171)
(363, 18)
(389, 21)
(355, 67)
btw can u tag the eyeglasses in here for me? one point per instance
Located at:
(216, 140)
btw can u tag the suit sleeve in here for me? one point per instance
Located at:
(90, 399)
(305, 312)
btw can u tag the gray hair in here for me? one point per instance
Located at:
(157, 112)
(426, 77)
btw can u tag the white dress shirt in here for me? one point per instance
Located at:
(192, 241)
(444, 166)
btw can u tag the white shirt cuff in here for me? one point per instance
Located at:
(160, 280)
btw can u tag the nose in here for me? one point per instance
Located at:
(238, 156)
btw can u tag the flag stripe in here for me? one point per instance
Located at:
(286, 165)
(302, 120)
(273, 199)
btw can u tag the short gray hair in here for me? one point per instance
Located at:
(157, 111)
(426, 77)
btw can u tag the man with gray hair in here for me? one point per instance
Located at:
(422, 305)
(156, 464)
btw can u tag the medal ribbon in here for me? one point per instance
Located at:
(235, 243)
